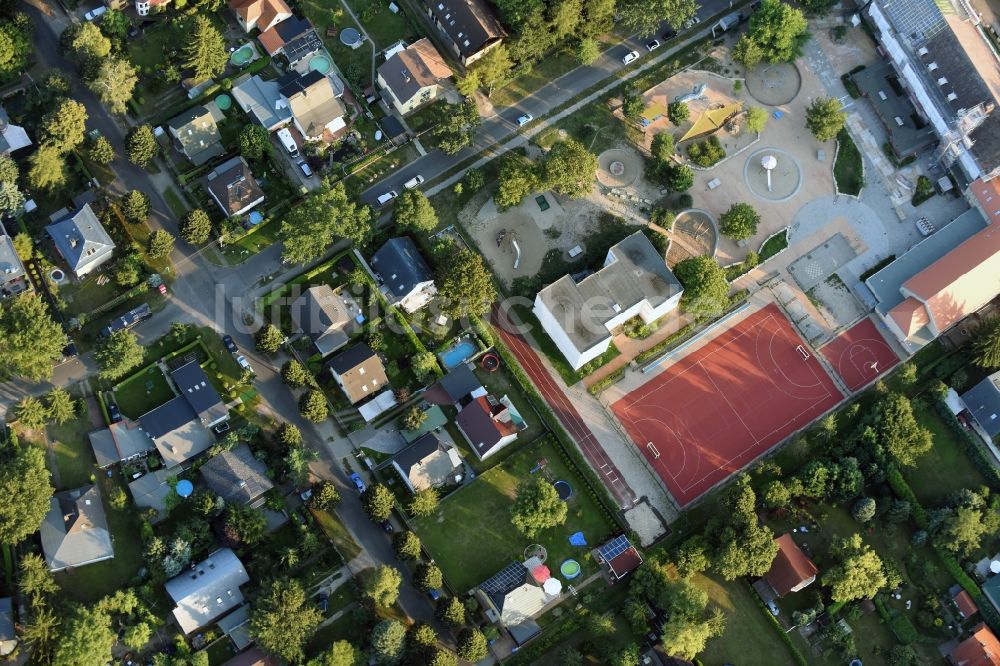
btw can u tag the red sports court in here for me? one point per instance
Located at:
(860, 355)
(712, 412)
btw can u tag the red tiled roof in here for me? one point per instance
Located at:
(966, 606)
(987, 193)
(625, 562)
(980, 649)
(790, 568)
(271, 40)
(910, 316)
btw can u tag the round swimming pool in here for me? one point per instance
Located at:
(320, 63)
(224, 102)
(242, 55)
(570, 569)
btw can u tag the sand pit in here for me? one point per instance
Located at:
(514, 230)
(618, 167)
(774, 85)
(693, 235)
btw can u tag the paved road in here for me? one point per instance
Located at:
(495, 129)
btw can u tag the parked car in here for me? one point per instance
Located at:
(669, 34)
(114, 413)
(69, 351)
(653, 45)
(95, 13)
(631, 56)
(323, 601)
(227, 340)
(221, 428)
(383, 199)
(131, 318)
(416, 181)
(691, 22)
(524, 119)
(386, 526)
(244, 363)
(305, 169)
(771, 606)
(358, 482)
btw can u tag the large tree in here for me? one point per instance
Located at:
(283, 619)
(537, 506)
(897, 430)
(986, 344)
(196, 227)
(381, 585)
(341, 653)
(268, 339)
(135, 206)
(86, 43)
(48, 169)
(118, 354)
(465, 285)
(24, 482)
(570, 168)
(457, 128)
(377, 501)
(645, 16)
(313, 406)
(15, 46)
(565, 16)
(598, 18)
(87, 637)
(962, 532)
(406, 545)
(388, 640)
(322, 217)
(706, 291)
(858, 572)
(255, 142)
(141, 145)
(739, 222)
(518, 178)
(415, 212)
(472, 644)
(61, 406)
(745, 547)
(101, 151)
(30, 340)
(424, 502)
(65, 126)
(114, 82)
(205, 51)
(779, 29)
(451, 611)
(493, 70)
(428, 577)
(35, 580)
(825, 118)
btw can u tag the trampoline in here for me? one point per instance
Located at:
(184, 488)
(490, 362)
(570, 569)
(242, 55)
(320, 63)
(564, 489)
(224, 102)
(350, 37)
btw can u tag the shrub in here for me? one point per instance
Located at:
(707, 152)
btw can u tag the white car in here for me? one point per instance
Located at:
(524, 120)
(691, 22)
(94, 13)
(653, 45)
(383, 199)
(631, 56)
(416, 181)
(244, 363)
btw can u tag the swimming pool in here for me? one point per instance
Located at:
(242, 55)
(320, 63)
(457, 354)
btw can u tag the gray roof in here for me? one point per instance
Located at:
(983, 401)
(151, 490)
(207, 590)
(401, 266)
(454, 386)
(197, 133)
(12, 137)
(326, 316)
(233, 187)
(351, 358)
(10, 264)
(425, 463)
(633, 272)
(176, 431)
(193, 384)
(81, 240)
(236, 476)
(470, 24)
(262, 101)
(236, 625)
(7, 620)
(103, 444)
(887, 282)
(986, 137)
(75, 530)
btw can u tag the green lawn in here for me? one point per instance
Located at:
(550, 68)
(355, 64)
(142, 392)
(774, 245)
(593, 126)
(381, 167)
(471, 537)
(337, 533)
(86, 296)
(848, 170)
(943, 469)
(73, 454)
(343, 629)
(177, 205)
(384, 27)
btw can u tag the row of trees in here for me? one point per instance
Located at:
(568, 168)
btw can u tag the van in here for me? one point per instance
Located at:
(95, 13)
(413, 182)
(383, 199)
(288, 142)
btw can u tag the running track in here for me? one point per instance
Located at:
(564, 410)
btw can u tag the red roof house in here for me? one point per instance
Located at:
(791, 570)
(966, 606)
(980, 649)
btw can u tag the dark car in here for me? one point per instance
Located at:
(69, 351)
(221, 428)
(669, 34)
(323, 601)
(114, 413)
(386, 526)
(230, 345)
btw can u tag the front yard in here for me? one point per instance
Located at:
(471, 536)
(73, 456)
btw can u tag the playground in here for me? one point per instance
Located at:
(706, 415)
(860, 355)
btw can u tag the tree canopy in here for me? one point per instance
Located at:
(268, 339)
(382, 585)
(86, 639)
(284, 618)
(645, 17)
(472, 644)
(465, 285)
(569, 168)
(24, 480)
(86, 42)
(745, 548)
(493, 70)
(313, 406)
(778, 30)
(377, 501)
(457, 128)
(30, 340)
(322, 217)
(897, 431)
(48, 168)
(114, 82)
(537, 506)
(255, 142)
(15, 46)
(518, 178)
(414, 211)
(205, 52)
(986, 344)
(406, 544)
(740, 221)
(424, 502)
(858, 572)
(118, 354)
(388, 640)
(825, 118)
(65, 126)
(141, 145)
(196, 227)
(341, 653)
(706, 291)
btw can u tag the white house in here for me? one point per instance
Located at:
(634, 281)
(411, 76)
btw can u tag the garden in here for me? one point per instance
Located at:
(848, 170)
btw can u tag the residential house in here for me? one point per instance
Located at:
(412, 76)
(196, 133)
(12, 137)
(980, 649)
(8, 637)
(119, 442)
(236, 627)
(81, 241)
(489, 424)
(253, 657)
(234, 188)
(262, 101)
(13, 279)
(983, 404)
(293, 38)
(327, 316)
(984, 196)
(428, 463)
(470, 27)
(434, 419)
(75, 530)
(359, 373)
(963, 602)
(151, 491)
(208, 590)
(514, 597)
(618, 557)
(237, 476)
(457, 387)
(948, 71)
(143, 7)
(316, 110)
(940, 281)
(405, 279)
(634, 282)
(260, 14)
(791, 569)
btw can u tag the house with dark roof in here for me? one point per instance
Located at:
(791, 569)
(207, 590)
(8, 637)
(514, 596)
(980, 649)
(329, 317)
(151, 491)
(192, 383)
(359, 373)
(196, 133)
(983, 403)
(13, 279)
(81, 241)
(489, 424)
(428, 463)
(75, 530)
(260, 14)
(234, 188)
(237, 476)
(470, 27)
(457, 387)
(634, 282)
(294, 38)
(317, 111)
(119, 442)
(405, 279)
(412, 76)
(262, 101)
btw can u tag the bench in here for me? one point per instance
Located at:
(714, 183)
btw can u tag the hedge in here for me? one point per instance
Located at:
(666, 344)
(900, 625)
(414, 340)
(607, 381)
(785, 638)
(904, 492)
(972, 447)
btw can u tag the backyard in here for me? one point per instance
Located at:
(471, 538)
(74, 461)
(354, 64)
(945, 468)
(143, 391)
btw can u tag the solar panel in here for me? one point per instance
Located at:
(614, 548)
(505, 580)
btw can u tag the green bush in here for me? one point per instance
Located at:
(706, 153)
(904, 492)
(604, 383)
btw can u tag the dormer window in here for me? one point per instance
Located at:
(931, 67)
